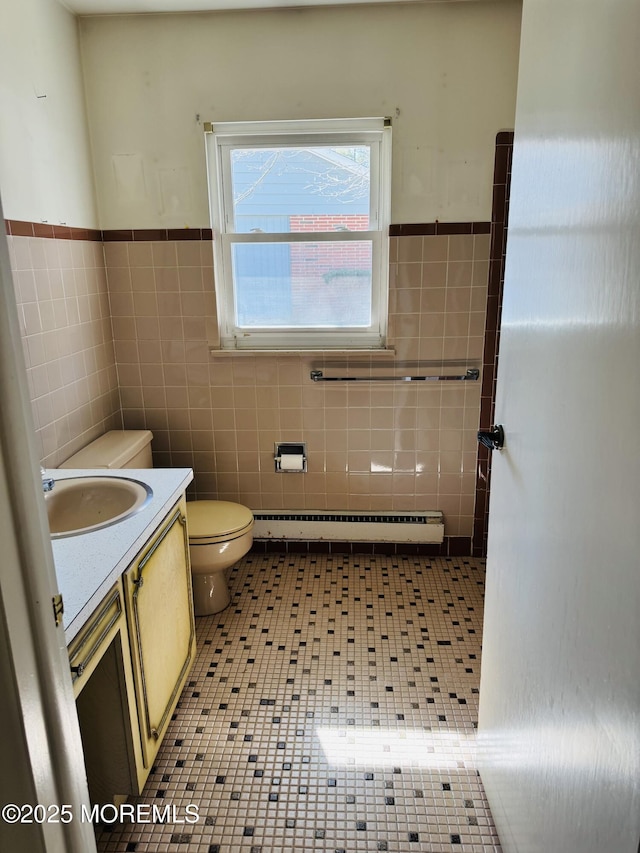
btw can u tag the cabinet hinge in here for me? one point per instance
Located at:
(58, 608)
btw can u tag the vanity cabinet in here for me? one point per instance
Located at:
(130, 662)
(161, 627)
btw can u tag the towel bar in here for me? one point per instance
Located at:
(471, 375)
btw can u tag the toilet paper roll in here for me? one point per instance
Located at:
(292, 462)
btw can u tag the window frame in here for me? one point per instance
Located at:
(221, 139)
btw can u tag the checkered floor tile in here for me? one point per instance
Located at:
(332, 707)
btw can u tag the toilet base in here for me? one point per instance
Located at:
(209, 564)
(210, 593)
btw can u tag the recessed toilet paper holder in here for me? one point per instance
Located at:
(290, 457)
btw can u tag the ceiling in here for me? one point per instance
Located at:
(120, 7)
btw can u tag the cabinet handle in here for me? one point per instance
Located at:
(90, 644)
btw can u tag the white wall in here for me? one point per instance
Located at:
(445, 72)
(45, 169)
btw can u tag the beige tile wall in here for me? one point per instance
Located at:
(372, 446)
(64, 316)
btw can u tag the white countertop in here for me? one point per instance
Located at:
(88, 565)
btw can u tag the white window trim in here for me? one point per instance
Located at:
(220, 138)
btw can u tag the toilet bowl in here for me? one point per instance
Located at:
(220, 532)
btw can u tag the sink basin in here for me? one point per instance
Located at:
(83, 504)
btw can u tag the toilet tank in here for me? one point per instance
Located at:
(115, 449)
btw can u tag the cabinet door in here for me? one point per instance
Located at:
(161, 627)
(102, 682)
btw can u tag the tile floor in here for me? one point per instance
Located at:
(332, 707)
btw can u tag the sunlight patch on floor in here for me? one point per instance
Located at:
(376, 747)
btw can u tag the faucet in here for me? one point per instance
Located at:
(47, 482)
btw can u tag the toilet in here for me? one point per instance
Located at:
(220, 532)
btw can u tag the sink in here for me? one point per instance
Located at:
(83, 504)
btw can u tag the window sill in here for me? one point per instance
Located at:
(373, 354)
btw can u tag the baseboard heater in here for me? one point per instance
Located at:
(349, 526)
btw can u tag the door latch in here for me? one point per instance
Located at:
(494, 439)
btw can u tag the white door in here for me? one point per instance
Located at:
(560, 692)
(43, 763)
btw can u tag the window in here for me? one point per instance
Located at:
(300, 214)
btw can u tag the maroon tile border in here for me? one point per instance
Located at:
(452, 546)
(136, 235)
(499, 224)
(20, 228)
(417, 229)
(118, 236)
(504, 137)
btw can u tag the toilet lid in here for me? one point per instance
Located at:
(206, 519)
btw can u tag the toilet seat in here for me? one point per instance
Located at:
(210, 522)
